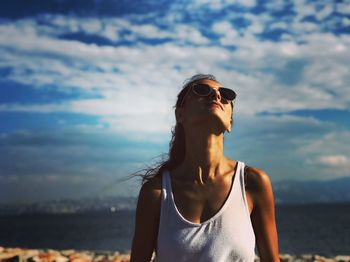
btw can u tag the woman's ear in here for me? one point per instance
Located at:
(230, 126)
(178, 115)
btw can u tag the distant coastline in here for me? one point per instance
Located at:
(284, 196)
(74, 207)
(289, 192)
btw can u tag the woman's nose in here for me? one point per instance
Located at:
(216, 94)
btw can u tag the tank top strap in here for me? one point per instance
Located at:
(166, 194)
(242, 184)
(166, 182)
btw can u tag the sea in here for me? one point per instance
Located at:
(322, 229)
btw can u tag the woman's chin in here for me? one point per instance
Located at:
(208, 122)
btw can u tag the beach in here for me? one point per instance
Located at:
(13, 254)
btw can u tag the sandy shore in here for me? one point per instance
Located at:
(50, 255)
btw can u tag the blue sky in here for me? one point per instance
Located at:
(87, 88)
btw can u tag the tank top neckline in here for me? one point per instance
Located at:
(216, 215)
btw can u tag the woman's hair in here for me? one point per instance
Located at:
(177, 149)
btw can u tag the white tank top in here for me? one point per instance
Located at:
(227, 236)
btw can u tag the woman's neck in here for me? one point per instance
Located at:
(204, 156)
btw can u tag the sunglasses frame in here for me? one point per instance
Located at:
(211, 91)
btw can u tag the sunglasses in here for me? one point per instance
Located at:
(206, 90)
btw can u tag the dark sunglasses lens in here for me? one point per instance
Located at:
(228, 94)
(201, 89)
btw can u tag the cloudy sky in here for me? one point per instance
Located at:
(87, 88)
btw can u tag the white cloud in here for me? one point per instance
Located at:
(303, 9)
(222, 27)
(220, 4)
(279, 25)
(228, 34)
(189, 34)
(276, 5)
(246, 3)
(290, 49)
(148, 31)
(346, 21)
(111, 29)
(65, 23)
(303, 28)
(257, 23)
(329, 153)
(332, 143)
(330, 73)
(343, 8)
(91, 26)
(325, 12)
(321, 11)
(335, 160)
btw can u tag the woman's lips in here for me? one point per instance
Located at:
(215, 104)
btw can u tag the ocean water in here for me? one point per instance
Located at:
(318, 228)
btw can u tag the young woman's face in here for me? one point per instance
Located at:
(211, 109)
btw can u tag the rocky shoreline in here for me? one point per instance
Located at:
(50, 255)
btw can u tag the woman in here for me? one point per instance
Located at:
(200, 205)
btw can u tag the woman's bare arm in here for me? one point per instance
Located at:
(147, 221)
(263, 214)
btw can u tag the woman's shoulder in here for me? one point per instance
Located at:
(152, 187)
(258, 183)
(255, 177)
